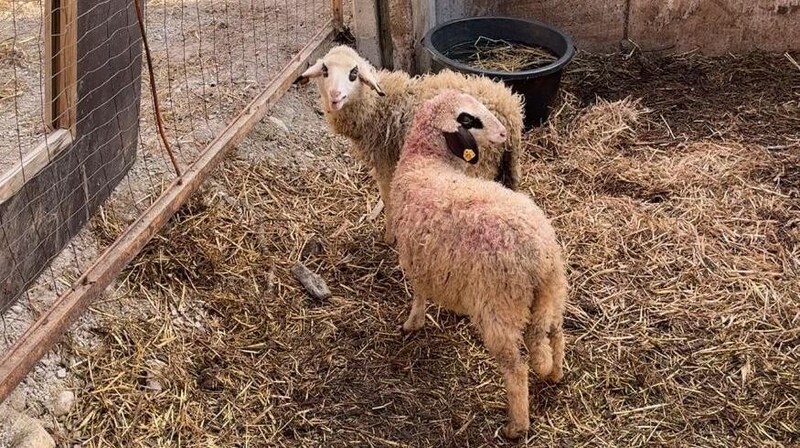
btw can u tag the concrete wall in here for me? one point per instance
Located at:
(710, 26)
(594, 24)
(715, 26)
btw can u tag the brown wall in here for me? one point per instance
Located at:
(711, 26)
(716, 26)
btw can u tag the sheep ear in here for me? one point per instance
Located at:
(367, 76)
(315, 71)
(463, 145)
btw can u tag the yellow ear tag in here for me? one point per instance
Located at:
(469, 154)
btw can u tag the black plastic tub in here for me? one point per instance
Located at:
(538, 86)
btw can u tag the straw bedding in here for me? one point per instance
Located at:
(500, 55)
(680, 217)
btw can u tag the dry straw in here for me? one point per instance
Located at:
(500, 55)
(683, 243)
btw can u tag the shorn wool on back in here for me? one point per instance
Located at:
(374, 109)
(477, 248)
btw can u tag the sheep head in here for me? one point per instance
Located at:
(340, 75)
(459, 120)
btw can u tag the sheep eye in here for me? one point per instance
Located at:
(324, 70)
(354, 74)
(469, 122)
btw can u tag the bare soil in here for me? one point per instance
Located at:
(21, 89)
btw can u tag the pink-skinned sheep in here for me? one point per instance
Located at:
(374, 109)
(478, 249)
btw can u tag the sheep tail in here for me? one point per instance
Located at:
(544, 336)
(537, 341)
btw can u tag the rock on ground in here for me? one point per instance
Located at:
(62, 403)
(27, 432)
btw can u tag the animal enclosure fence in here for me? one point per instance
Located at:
(89, 168)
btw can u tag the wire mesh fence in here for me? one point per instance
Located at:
(80, 153)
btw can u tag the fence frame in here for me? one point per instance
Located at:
(51, 194)
(61, 64)
(60, 102)
(43, 334)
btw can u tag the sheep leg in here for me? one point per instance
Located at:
(384, 182)
(416, 318)
(504, 344)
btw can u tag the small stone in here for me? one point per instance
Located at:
(313, 283)
(278, 124)
(63, 403)
(17, 400)
(203, 136)
(29, 433)
(154, 385)
(61, 373)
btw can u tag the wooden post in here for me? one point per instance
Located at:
(61, 66)
(338, 15)
(365, 18)
(424, 18)
(385, 35)
(45, 332)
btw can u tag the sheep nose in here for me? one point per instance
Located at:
(336, 94)
(502, 134)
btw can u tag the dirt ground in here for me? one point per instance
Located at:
(679, 210)
(21, 94)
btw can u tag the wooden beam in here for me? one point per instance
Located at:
(68, 81)
(385, 35)
(424, 18)
(338, 15)
(33, 162)
(61, 66)
(49, 31)
(366, 32)
(46, 331)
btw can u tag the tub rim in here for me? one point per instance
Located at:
(556, 66)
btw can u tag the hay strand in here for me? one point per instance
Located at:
(500, 55)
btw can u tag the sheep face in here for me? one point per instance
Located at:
(340, 76)
(464, 122)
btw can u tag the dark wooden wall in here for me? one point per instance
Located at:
(38, 222)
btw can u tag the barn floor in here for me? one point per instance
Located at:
(680, 213)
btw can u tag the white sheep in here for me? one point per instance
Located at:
(477, 248)
(377, 118)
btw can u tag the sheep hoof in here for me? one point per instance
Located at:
(412, 325)
(514, 430)
(556, 375)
